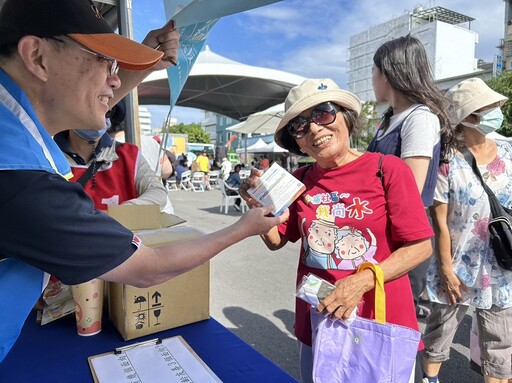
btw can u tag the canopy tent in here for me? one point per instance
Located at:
(222, 86)
(259, 146)
(274, 148)
(264, 122)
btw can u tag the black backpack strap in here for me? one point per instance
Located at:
(470, 159)
(380, 172)
(493, 200)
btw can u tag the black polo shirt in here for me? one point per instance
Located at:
(51, 224)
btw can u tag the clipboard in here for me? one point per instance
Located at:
(157, 360)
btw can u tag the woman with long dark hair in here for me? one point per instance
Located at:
(415, 125)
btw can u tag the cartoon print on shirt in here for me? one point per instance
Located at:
(325, 245)
(352, 248)
(319, 243)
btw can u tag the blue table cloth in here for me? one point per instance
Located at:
(56, 353)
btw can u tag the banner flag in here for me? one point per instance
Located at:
(194, 20)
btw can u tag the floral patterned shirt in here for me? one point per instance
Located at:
(468, 214)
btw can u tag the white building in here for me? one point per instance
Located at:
(210, 124)
(145, 121)
(449, 43)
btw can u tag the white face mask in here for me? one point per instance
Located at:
(490, 121)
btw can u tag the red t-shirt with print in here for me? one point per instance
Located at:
(345, 218)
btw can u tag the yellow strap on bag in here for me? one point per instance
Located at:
(380, 295)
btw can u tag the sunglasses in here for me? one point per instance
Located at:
(323, 114)
(113, 67)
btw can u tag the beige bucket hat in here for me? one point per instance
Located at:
(470, 95)
(311, 93)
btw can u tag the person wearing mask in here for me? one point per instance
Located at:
(464, 273)
(111, 173)
(346, 217)
(62, 67)
(415, 126)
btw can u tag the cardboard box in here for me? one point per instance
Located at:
(185, 299)
(140, 217)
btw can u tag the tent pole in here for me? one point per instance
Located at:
(246, 159)
(124, 17)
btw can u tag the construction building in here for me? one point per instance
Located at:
(448, 39)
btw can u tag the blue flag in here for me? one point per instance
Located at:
(194, 19)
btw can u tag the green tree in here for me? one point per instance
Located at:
(503, 84)
(195, 132)
(363, 137)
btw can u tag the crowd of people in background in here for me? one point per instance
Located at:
(205, 163)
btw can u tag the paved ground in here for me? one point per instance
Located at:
(252, 291)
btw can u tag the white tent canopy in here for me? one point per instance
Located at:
(274, 148)
(264, 122)
(223, 86)
(259, 146)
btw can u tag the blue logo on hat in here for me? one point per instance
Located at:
(322, 86)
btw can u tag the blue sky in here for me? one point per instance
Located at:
(310, 37)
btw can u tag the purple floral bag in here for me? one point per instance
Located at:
(366, 350)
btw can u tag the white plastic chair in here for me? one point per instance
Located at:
(214, 177)
(171, 184)
(185, 183)
(197, 181)
(226, 198)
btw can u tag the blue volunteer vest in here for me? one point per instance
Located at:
(24, 145)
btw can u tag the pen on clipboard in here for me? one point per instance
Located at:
(151, 342)
(170, 59)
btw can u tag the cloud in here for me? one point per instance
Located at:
(303, 37)
(315, 42)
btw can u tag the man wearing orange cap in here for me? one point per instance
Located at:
(59, 64)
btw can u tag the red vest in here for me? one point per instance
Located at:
(115, 183)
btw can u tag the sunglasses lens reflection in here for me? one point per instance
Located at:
(322, 117)
(323, 114)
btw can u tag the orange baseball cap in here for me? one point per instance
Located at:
(79, 19)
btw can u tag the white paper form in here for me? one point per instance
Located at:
(171, 361)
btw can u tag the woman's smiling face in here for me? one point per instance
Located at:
(327, 144)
